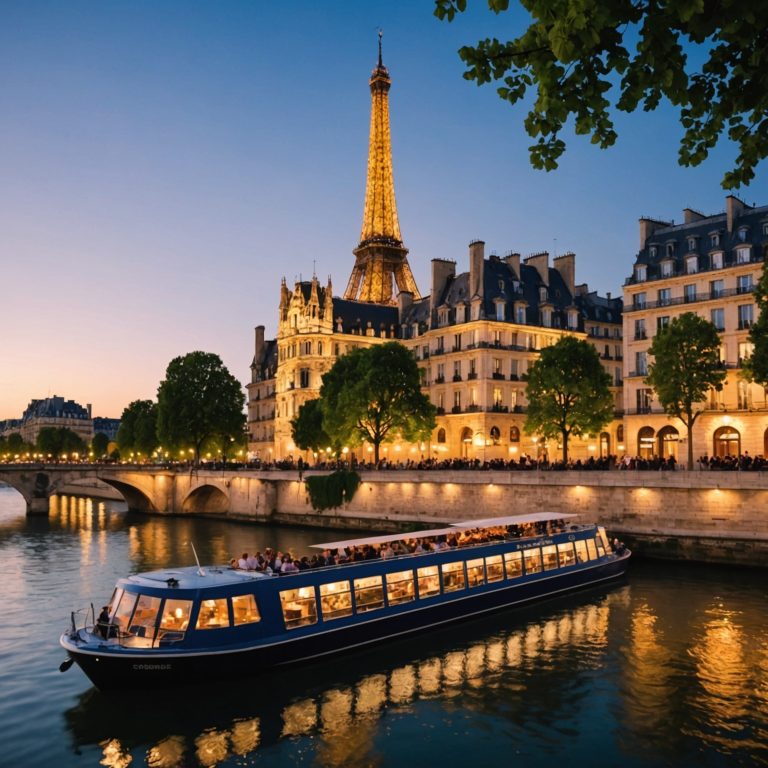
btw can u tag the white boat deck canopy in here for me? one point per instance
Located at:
(488, 522)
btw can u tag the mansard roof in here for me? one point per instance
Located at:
(355, 315)
(55, 407)
(266, 364)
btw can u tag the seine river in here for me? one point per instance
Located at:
(667, 668)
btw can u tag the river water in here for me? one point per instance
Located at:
(666, 668)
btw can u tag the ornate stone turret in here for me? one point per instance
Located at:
(381, 263)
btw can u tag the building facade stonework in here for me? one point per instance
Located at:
(708, 265)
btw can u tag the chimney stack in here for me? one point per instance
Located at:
(566, 266)
(476, 266)
(442, 271)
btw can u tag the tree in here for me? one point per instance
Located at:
(199, 401)
(374, 394)
(755, 368)
(138, 428)
(100, 445)
(709, 59)
(307, 427)
(568, 392)
(57, 441)
(686, 366)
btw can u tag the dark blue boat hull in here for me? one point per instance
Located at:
(122, 668)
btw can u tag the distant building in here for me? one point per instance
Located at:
(56, 412)
(9, 426)
(474, 336)
(106, 426)
(708, 265)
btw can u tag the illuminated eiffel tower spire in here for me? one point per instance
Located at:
(381, 265)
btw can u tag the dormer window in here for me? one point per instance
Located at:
(500, 310)
(714, 240)
(521, 315)
(542, 293)
(765, 229)
(692, 265)
(670, 249)
(641, 273)
(666, 268)
(691, 244)
(653, 251)
(573, 320)
(501, 285)
(742, 234)
(742, 255)
(717, 260)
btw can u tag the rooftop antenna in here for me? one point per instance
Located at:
(381, 34)
(200, 571)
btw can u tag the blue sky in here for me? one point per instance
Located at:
(164, 165)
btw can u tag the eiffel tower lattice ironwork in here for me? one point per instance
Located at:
(381, 268)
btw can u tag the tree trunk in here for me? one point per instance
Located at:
(689, 427)
(376, 454)
(565, 447)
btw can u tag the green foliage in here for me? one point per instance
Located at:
(333, 490)
(13, 445)
(138, 428)
(59, 441)
(198, 402)
(374, 394)
(99, 445)
(575, 52)
(568, 392)
(307, 427)
(756, 367)
(686, 366)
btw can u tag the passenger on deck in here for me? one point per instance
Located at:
(288, 566)
(242, 563)
(386, 552)
(233, 563)
(102, 625)
(253, 561)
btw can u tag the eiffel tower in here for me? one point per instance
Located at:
(381, 265)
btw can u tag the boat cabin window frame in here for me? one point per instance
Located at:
(213, 616)
(494, 569)
(592, 549)
(369, 594)
(582, 553)
(303, 607)
(549, 557)
(248, 613)
(532, 560)
(513, 564)
(336, 600)
(123, 614)
(475, 572)
(566, 554)
(400, 587)
(145, 616)
(173, 625)
(454, 578)
(428, 581)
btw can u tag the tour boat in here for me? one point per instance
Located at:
(186, 625)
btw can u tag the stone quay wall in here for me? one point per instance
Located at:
(705, 516)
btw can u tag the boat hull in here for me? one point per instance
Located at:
(125, 668)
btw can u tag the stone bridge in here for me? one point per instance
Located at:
(245, 493)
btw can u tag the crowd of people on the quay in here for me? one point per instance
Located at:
(273, 561)
(525, 462)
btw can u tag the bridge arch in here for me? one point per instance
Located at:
(135, 498)
(206, 499)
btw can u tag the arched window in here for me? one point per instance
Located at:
(466, 441)
(441, 435)
(514, 434)
(645, 442)
(620, 433)
(667, 440)
(726, 442)
(605, 444)
(495, 435)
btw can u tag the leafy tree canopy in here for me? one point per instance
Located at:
(755, 368)
(709, 58)
(568, 392)
(99, 445)
(199, 401)
(686, 366)
(13, 445)
(307, 427)
(138, 428)
(56, 441)
(374, 394)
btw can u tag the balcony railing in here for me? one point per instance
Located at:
(472, 375)
(678, 300)
(457, 377)
(439, 379)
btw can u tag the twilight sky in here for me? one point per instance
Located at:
(163, 165)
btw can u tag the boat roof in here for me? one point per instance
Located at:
(488, 522)
(191, 578)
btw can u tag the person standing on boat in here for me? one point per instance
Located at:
(102, 625)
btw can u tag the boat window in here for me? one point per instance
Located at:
(533, 560)
(453, 576)
(494, 569)
(299, 607)
(245, 610)
(114, 600)
(176, 615)
(369, 594)
(566, 553)
(604, 538)
(549, 557)
(335, 600)
(124, 610)
(581, 551)
(429, 583)
(399, 587)
(475, 572)
(514, 564)
(600, 547)
(145, 616)
(592, 549)
(214, 614)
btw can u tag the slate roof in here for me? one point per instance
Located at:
(266, 365)
(55, 407)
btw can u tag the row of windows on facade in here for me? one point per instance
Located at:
(715, 399)
(745, 314)
(714, 239)
(745, 350)
(726, 441)
(717, 290)
(693, 263)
